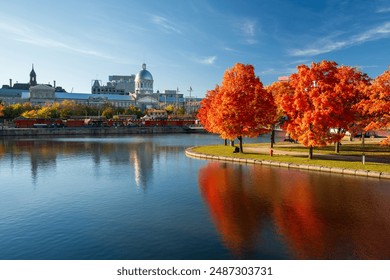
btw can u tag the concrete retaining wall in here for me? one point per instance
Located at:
(12, 132)
(373, 174)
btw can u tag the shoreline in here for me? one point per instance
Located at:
(89, 131)
(326, 169)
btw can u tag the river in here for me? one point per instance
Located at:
(140, 197)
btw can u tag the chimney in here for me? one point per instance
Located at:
(54, 83)
(10, 83)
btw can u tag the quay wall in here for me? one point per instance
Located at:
(87, 131)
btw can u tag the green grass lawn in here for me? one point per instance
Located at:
(221, 150)
(372, 149)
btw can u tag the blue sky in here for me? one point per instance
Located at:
(187, 42)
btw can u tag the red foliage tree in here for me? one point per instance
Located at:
(324, 97)
(240, 107)
(377, 106)
(207, 112)
(278, 90)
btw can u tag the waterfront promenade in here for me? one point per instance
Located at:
(284, 163)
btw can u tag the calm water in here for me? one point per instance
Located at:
(140, 197)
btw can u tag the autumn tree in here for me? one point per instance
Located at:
(12, 111)
(30, 114)
(324, 98)
(240, 107)
(207, 111)
(349, 89)
(170, 109)
(2, 109)
(377, 105)
(108, 112)
(49, 110)
(67, 108)
(278, 90)
(133, 110)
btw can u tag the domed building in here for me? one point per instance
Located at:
(121, 91)
(143, 81)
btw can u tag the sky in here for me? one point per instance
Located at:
(187, 43)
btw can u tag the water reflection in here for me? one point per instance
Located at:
(315, 216)
(79, 198)
(43, 154)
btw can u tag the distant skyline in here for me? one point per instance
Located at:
(187, 43)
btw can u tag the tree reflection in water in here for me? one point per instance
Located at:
(316, 216)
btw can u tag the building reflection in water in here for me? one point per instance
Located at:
(43, 155)
(314, 216)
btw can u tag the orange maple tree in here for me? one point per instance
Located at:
(206, 113)
(278, 90)
(322, 105)
(240, 107)
(377, 106)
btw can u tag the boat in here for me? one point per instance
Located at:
(194, 128)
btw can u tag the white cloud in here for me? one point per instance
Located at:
(248, 29)
(23, 33)
(165, 25)
(383, 10)
(210, 60)
(328, 44)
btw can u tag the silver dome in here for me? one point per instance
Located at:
(143, 74)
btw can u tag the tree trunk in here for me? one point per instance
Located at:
(337, 147)
(311, 152)
(273, 136)
(337, 144)
(232, 143)
(240, 138)
(225, 140)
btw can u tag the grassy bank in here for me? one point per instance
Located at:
(221, 150)
(347, 148)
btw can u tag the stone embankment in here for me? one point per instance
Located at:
(374, 174)
(94, 131)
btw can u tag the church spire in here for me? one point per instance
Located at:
(33, 77)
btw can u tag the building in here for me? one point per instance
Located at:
(117, 84)
(140, 89)
(121, 91)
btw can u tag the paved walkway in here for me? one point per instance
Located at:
(357, 158)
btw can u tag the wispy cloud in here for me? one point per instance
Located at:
(383, 10)
(165, 24)
(362, 67)
(23, 33)
(330, 44)
(210, 60)
(248, 29)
